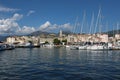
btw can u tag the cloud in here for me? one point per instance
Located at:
(10, 26)
(26, 30)
(6, 9)
(30, 12)
(66, 26)
(17, 16)
(47, 26)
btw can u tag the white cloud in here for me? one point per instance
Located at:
(30, 12)
(17, 16)
(10, 25)
(66, 26)
(26, 30)
(6, 9)
(47, 26)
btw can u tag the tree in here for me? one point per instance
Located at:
(46, 42)
(56, 41)
(65, 41)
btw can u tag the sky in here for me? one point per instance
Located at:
(27, 16)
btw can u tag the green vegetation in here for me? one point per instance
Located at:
(46, 42)
(65, 41)
(56, 41)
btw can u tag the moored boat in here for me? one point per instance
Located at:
(2, 47)
(9, 47)
(74, 47)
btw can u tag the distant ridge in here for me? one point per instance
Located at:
(112, 32)
(3, 38)
(38, 33)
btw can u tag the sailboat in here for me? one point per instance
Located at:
(73, 46)
(82, 46)
(117, 41)
(98, 45)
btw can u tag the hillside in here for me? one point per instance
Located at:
(41, 33)
(3, 38)
(37, 33)
(113, 32)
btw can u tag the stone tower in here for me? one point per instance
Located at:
(60, 35)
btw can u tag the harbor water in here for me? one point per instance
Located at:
(59, 64)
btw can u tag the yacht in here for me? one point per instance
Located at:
(2, 47)
(95, 47)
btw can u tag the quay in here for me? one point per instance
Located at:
(73, 41)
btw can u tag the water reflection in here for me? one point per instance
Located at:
(59, 64)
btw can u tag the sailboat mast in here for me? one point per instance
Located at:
(100, 25)
(113, 30)
(117, 28)
(97, 20)
(74, 27)
(91, 25)
(83, 21)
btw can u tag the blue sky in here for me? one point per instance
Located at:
(26, 16)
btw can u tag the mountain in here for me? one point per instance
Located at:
(112, 32)
(38, 33)
(41, 33)
(3, 38)
(66, 32)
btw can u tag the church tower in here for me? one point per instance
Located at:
(60, 34)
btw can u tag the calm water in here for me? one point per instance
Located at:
(59, 64)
